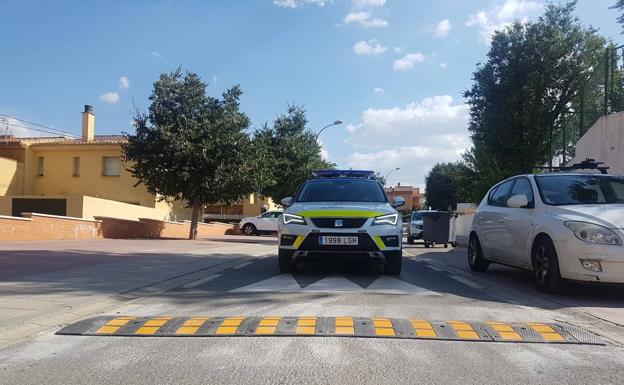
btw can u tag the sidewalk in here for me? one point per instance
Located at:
(47, 284)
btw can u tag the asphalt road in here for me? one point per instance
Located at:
(435, 285)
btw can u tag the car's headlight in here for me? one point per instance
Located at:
(294, 219)
(390, 219)
(592, 233)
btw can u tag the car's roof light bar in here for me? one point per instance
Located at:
(344, 174)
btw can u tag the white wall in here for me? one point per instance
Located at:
(604, 141)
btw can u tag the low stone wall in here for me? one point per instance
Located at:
(34, 227)
(40, 227)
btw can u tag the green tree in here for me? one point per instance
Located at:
(292, 151)
(523, 95)
(446, 185)
(192, 146)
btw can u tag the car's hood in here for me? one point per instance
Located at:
(609, 215)
(340, 209)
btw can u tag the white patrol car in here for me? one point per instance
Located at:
(341, 214)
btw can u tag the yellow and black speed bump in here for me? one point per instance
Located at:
(378, 327)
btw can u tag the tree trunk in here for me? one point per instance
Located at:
(194, 219)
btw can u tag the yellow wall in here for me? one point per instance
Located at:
(90, 207)
(93, 207)
(57, 177)
(11, 177)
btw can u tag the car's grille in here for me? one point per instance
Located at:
(365, 243)
(330, 223)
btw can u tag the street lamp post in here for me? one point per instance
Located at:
(388, 174)
(335, 123)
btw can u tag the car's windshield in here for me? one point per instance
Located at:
(580, 189)
(342, 190)
(417, 216)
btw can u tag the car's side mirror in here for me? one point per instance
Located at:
(518, 201)
(288, 201)
(397, 202)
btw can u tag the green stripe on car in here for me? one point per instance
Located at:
(340, 213)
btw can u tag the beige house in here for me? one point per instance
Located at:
(414, 196)
(85, 178)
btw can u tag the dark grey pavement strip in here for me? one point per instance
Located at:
(380, 327)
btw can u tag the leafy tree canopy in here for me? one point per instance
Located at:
(293, 153)
(193, 146)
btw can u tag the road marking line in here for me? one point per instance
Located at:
(432, 267)
(464, 330)
(269, 321)
(113, 325)
(152, 325)
(383, 327)
(466, 282)
(191, 326)
(242, 265)
(423, 328)
(306, 325)
(505, 331)
(344, 325)
(547, 333)
(201, 281)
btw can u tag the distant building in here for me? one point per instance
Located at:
(604, 142)
(248, 207)
(414, 196)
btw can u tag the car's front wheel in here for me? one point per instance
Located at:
(546, 266)
(475, 255)
(394, 262)
(249, 229)
(285, 260)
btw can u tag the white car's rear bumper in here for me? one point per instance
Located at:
(572, 252)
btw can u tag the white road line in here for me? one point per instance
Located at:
(434, 267)
(242, 265)
(201, 281)
(467, 282)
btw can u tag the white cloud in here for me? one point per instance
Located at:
(124, 82)
(497, 18)
(443, 65)
(299, 3)
(397, 49)
(378, 90)
(364, 19)
(368, 3)
(408, 61)
(443, 28)
(157, 55)
(110, 97)
(215, 79)
(370, 47)
(413, 137)
(325, 155)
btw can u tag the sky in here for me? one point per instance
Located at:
(393, 70)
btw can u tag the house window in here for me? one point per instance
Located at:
(40, 166)
(111, 166)
(76, 167)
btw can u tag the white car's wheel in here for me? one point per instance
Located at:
(546, 266)
(249, 229)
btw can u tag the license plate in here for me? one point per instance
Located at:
(338, 241)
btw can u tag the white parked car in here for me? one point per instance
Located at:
(263, 223)
(562, 226)
(415, 226)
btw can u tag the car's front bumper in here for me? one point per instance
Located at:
(373, 241)
(572, 251)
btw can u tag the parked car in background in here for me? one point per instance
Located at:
(263, 223)
(415, 227)
(562, 226)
